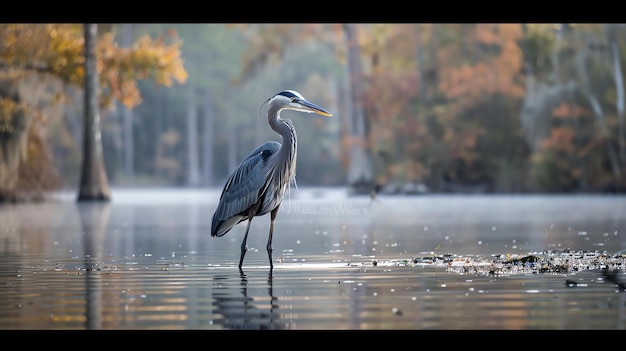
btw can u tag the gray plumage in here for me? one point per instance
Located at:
(257, 186)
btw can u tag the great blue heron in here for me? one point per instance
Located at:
(257, 186)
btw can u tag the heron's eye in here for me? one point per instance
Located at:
(293, 99)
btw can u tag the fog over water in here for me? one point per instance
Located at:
(146, 260)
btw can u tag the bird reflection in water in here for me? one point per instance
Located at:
(239, 308)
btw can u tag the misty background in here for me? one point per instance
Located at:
(418, 107)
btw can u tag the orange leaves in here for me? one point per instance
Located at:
(120, 68)
(58, 49)
(480, 78)
(392, 79)
(561, 139)
(485, 34)
(158, 60)
(390, 97)
(459, 81)
(483, 72)
(566, 110)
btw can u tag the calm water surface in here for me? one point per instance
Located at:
(147, 261)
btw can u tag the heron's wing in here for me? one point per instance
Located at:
(243, 188)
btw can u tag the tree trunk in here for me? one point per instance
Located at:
(13, 134)
(585, 88)
(600, 118)
(619, 87)
(558, 39)
(419, 59)
(94, 184)
(359, 162)
(193, 174)
(159, 127)
(207, 141)
(233, 143)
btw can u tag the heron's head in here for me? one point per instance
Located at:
(292, 100)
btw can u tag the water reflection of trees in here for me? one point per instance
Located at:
(240, 307)
(94, 218)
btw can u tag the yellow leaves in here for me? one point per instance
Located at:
(9, 108)
(58, 49)
(148, 58)
(16, 43)
(47, 48)
(5, 126)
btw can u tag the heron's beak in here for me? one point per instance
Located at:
(310, 107)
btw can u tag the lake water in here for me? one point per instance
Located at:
(146, 260)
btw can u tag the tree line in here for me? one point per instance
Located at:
(487, 107)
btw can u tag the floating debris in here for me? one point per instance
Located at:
(545, 262)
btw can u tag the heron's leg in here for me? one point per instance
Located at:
(244, 246)
(269, 239)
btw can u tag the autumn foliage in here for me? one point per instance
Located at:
(482, 107)
(467, 107)
(28, 51)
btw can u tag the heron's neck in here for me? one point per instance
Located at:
(285, 128)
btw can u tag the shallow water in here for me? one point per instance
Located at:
(147, 261)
